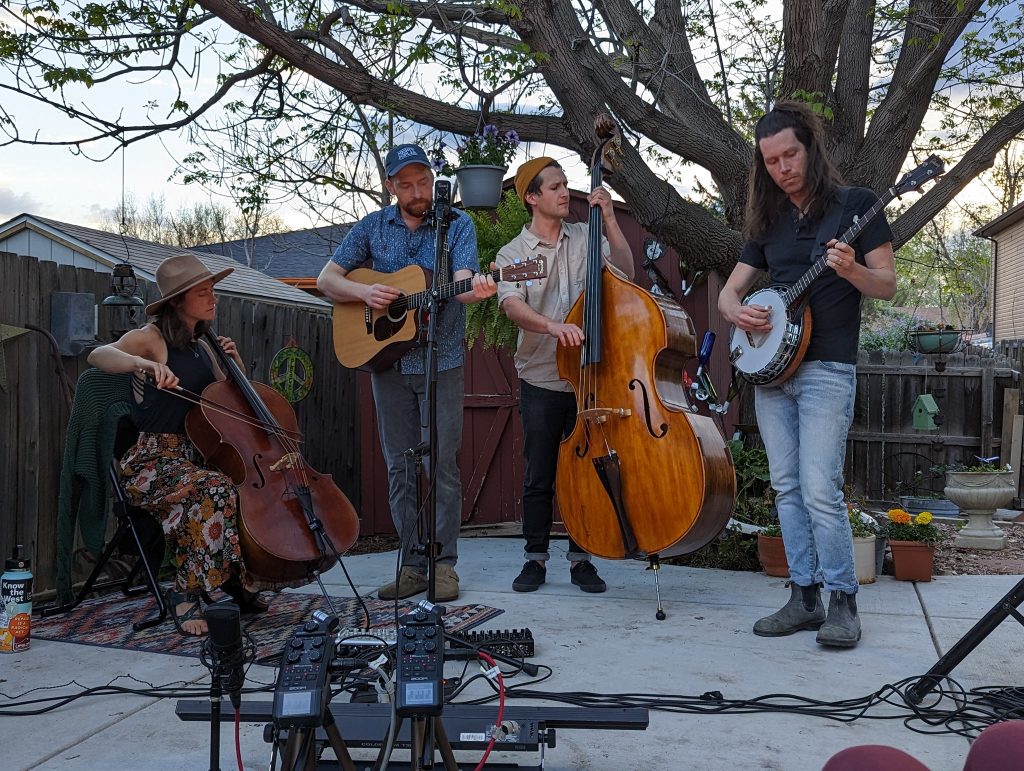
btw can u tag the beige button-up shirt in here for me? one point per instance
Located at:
(552, 296)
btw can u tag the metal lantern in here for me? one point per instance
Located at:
(123, 285)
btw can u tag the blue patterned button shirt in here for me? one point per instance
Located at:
(383, 238)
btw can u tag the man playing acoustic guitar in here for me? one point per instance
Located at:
(393, 238)
(804, 420)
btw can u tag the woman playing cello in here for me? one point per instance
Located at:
(197, 506)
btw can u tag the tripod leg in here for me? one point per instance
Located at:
(1007, 606)
(337, 743)
(447, 756)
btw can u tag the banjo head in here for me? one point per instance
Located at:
(755, 353)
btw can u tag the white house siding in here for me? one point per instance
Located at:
(1009, 284)
(29, 243)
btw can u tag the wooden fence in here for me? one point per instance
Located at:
(977, 395)
(33, 413)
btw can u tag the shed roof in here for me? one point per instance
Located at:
(112, 248)
(294, 255)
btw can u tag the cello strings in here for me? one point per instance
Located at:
(199, 401)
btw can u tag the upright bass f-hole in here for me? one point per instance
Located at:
(663, 428)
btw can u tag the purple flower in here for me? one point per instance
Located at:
(512, 138)
(490, 131)
(437, 163)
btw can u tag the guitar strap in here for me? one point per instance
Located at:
(829, 227)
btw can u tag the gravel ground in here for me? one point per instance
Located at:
(951, 561)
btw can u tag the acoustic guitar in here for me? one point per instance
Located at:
(368, 338)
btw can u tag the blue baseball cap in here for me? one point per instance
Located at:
(401, 156)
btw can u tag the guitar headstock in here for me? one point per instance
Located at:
(932, 168)
(524, 271)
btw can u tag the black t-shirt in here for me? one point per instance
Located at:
(785, 251)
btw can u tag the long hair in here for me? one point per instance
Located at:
(765, 199)
(175, 331)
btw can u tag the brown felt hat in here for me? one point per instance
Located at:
(528, 172)
(176, 275)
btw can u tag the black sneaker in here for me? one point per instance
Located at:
(585, 576)
(530, 577)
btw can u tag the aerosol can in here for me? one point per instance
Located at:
(16, 603)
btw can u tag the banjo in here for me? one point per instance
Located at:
(768, 358)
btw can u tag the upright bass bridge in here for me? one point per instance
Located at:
(601, 414)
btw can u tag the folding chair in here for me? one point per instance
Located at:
(99, 432)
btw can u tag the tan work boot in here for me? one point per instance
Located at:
(410, 582)
(446, 583)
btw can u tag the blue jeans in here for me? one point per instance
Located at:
(804, 422)
(402, 420)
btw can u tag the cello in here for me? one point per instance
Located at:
(642, 475)
(293, 522)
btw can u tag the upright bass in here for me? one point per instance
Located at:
(293, 520)
(642, 475)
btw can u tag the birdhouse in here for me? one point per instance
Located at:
(925, 410)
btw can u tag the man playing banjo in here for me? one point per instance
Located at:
(794, 192)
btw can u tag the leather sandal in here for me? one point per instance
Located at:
(194, 613)
(249, 603)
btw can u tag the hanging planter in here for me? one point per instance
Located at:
(912, 560)
(937, 340)
(480, 185)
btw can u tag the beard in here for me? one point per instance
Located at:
(417, 208)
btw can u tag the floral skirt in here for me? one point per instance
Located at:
(197, 507)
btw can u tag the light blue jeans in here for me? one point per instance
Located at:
(402, 420)
(804, 422)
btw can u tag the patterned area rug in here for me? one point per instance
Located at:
(107, 622)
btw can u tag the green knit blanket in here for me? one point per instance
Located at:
(101, 400)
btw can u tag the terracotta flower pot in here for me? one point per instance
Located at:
(912, 560)
(772, 553)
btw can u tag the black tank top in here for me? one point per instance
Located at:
(163, 412)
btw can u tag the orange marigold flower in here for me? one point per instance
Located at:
(899, 516)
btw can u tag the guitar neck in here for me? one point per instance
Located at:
(447, 291)
(849, 236)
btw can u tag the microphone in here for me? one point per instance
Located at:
(442, 200)
(225, 648)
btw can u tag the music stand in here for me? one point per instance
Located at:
(998, 613)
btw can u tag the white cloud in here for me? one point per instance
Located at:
(13, 203)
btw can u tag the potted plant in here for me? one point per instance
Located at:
(771, 550)
(936, 338)
(979, 490)
(863, 544)
(912, 541)
(482, 162)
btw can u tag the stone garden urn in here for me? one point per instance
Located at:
(979, 494)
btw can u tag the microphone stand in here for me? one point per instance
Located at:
(441, 216)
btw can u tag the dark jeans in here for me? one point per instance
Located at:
(548, 417)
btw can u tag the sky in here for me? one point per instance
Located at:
(50, 181)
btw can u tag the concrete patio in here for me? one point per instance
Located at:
(602, 643)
